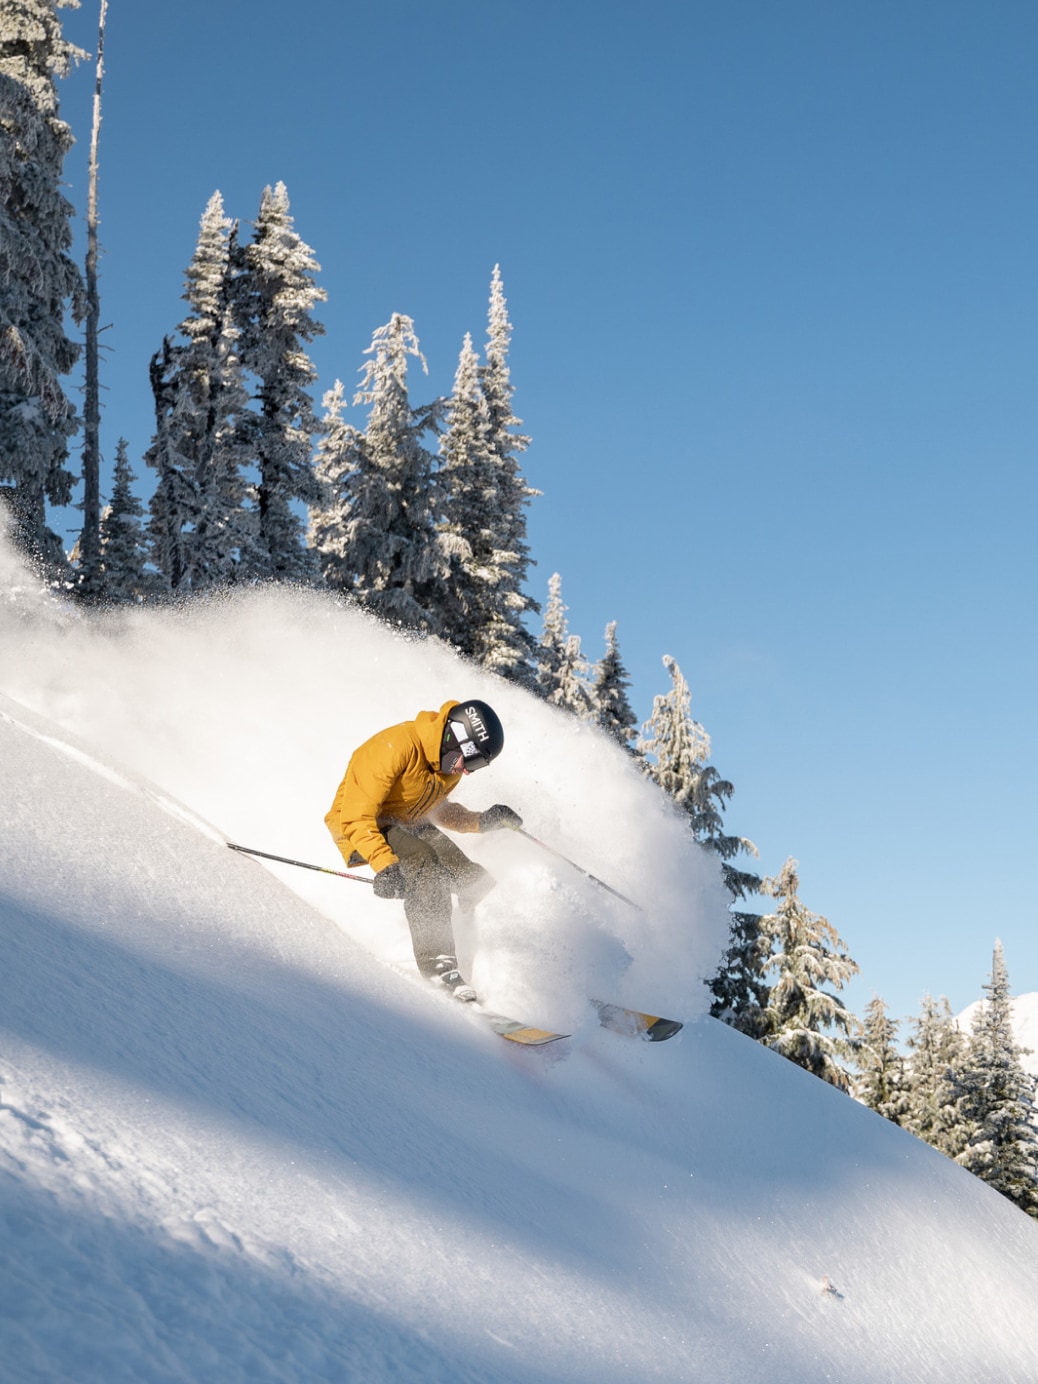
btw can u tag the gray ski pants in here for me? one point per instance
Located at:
(434, 869)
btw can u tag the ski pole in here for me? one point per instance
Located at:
(572, 863)
(284, 860)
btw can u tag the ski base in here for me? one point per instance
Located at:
(634, 1024)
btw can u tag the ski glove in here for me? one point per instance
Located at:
(498, 816)
(390, 882)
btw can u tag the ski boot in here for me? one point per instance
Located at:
(446, 973)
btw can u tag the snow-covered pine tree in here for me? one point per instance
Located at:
(552, 641)
(274, 298)
(809, 1025)
(90, 537)
(39, 282)
(562, 671)
(613, 710)
(123, 547)
(334, 463)
(172, 508)
(392, 548)
(468, 500)
(510, 648)
(206, 402)
(679, 748)
(576, 689)
(936, 1049)
(740, 989)
(996, 1095)
(215, 405)
(882, 1082)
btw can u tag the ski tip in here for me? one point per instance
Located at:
(635, 1024)
(662, 1029)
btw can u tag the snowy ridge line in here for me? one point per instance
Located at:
(69, 746)
(73, 752)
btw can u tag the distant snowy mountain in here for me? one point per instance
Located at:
(240, 1142)
(1025, 1026)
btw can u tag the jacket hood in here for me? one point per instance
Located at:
(431, 725)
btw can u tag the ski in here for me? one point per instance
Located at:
(517, 1032)
(634, 1024)
(631, 1023)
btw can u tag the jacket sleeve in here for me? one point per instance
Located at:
(455, 817)
(370, 777)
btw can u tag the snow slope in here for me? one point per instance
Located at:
(234, 1145)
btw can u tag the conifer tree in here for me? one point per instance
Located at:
(123, 547)
(562, 670)
(510, 648)
(468, 490)
(393, 554)
(202, 487)
(90, 539)
(613, 710)
(172, 504)
(806, 1023)
(997, 1098)
(39, 282)
(680, 748)
(576, 690)
(215, 402)
(334, 464)
(740, 989)
(275, 293)
(882, 1083)
(552, 641)
(936, 1048)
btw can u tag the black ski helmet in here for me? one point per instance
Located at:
(475, 729)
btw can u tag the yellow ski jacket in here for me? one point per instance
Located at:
(395, 777)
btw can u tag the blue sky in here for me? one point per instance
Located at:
(771, 275)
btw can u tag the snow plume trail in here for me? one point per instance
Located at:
(243, 708)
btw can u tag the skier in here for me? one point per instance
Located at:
(388, 811)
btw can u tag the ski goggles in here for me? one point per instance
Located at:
(460, 754)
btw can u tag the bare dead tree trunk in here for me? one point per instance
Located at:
(90, 544)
